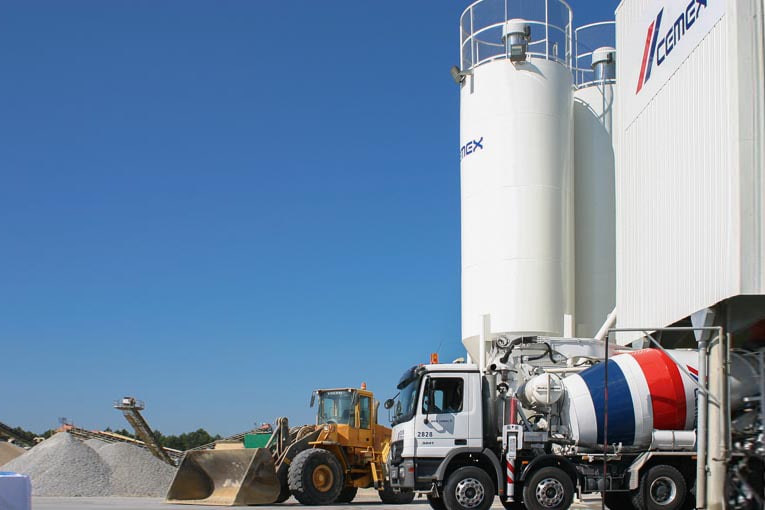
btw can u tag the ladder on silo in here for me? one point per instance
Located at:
(131, 409)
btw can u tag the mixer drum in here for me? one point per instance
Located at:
(646, 391)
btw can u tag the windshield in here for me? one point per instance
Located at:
(405, 405)
(336, 407)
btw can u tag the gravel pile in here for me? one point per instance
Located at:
(96, 444)
(9, 451)
(63, 466)
(135, 471)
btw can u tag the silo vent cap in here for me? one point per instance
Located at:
(516, 27)
(604, 55)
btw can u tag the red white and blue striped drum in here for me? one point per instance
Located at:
(646, 392)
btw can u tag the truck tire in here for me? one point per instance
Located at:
(662, 487)
(549, 488)
(347, 495)
(436, 503)
(389, 497)
(469, 488)
(315, 477)
(618, 500)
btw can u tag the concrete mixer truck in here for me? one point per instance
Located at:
(539, 420)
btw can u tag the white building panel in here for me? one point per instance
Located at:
(689, 185)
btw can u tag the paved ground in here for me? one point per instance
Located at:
(366, 500)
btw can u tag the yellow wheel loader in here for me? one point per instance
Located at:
(318, 464)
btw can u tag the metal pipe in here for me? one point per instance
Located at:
(761, 359)
(485, 337)
(716, 484)
(603, 331)
(710, 397)
(605, 419)
(725, 415)
(701, 427)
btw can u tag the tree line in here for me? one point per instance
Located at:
(183, 442)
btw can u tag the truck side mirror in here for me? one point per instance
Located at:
(313, 398)
(388, 403)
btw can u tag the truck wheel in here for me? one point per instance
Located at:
(549, 488)
(315, 477)
(618, 500)
(469, 488)
(436, 503)
(389, 497)
(347, 495)
(661, 488)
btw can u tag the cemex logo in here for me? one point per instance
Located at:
(658, 46)
(470, 147)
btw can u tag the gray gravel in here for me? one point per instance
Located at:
(63, 466)
(135, 471)
(96, 444)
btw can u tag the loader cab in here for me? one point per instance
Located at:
(337, 407)
(352, 411)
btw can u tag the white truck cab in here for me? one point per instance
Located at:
(438, 427)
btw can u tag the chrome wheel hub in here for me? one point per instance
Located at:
(469, 493)
(550, 492)
(663, 491)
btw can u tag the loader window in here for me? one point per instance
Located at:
(336, 407)
(446, 394)
(364, 412)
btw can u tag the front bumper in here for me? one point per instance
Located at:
(402, 475)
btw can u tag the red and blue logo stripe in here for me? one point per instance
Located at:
(652, 36)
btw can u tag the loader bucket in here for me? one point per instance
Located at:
(225, 478)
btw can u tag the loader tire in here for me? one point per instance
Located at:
(284, 492)
(347, 495)
(315, 477)
(389, 497)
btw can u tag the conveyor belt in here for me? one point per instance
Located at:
(7, 431)
(131, 409)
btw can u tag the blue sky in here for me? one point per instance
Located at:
(218, 206)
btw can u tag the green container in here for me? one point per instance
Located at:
(256, 440)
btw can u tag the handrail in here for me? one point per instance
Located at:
(584, 48)
(557, 30)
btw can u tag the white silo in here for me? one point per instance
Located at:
(595, 211)
(516, 182)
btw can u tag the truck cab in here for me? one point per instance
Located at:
(438, 429)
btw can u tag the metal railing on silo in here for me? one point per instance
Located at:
(587, 39)
(482, 23)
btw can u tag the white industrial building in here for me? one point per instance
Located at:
(689, 129)
(639, 198)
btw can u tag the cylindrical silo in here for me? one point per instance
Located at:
(594, 197)
(515, 134)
